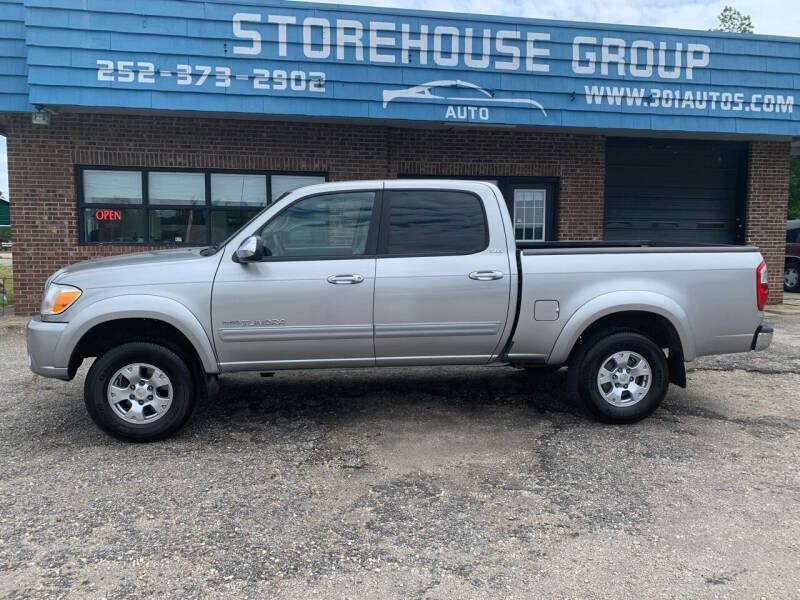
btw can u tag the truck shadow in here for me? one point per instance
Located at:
(329, 394)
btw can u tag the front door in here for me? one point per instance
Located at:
(441, 289)
(309, 302)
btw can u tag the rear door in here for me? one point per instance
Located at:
(442, 279)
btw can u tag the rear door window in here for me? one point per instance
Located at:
(431, 222)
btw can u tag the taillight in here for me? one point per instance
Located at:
(762, 289)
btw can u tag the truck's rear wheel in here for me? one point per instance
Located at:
(620, 377)
(140, 392)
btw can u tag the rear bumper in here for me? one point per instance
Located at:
(43, 339)
(762, 338)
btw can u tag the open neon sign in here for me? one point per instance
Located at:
(107, 214)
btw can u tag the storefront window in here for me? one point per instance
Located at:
(113, 225)
(176, 188)
(233, 189)
(112, 187)
(286, 183)
(226, 222)
(179, 206)
(178, 226)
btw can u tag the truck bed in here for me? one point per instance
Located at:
(686, 283)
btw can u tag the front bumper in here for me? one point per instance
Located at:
(43, 340)
(762, 338)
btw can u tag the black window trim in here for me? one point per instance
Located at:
(383, 240)
(207, 208)
(372, 234)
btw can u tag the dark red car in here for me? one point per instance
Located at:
(791, 274)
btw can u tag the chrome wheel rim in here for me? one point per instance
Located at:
(624, 378)
(790, 277)
(140, 393)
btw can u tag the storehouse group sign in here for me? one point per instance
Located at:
(292, 58)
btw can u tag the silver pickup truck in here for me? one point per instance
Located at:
(392, 273)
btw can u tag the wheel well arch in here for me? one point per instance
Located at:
(108, 334)
(657, 327)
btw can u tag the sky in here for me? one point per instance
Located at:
(772, 17)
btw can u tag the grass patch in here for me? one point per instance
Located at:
(6, 275)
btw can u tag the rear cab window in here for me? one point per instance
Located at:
(432, 222)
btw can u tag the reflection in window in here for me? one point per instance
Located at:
(324, 225)
(435, 222)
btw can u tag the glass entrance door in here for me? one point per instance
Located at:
(529, 210)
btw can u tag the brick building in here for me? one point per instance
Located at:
(172, 125)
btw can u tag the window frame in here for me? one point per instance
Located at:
(372, 234)
(383, 233)
(146, 207)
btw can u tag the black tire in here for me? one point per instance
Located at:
(106, 366)
(589, 358)
(795, 266)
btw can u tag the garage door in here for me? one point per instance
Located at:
(675, 190)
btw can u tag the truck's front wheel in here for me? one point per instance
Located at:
(139, 392)
(620, 377)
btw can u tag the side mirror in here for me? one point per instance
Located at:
(250, 250)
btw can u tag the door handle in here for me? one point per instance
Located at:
(486, 275)
(345, 279)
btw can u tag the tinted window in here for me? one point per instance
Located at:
(324, 225)
(793, 236)
(434, 222)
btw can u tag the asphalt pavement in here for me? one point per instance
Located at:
(455, 482)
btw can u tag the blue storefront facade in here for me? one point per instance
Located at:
(152, 123)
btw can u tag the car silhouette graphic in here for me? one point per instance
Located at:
(424, 92)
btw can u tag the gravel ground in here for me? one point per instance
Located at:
(409, 483)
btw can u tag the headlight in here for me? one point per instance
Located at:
(58, 298)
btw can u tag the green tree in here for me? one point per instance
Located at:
(794, 189)
(732, 21)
